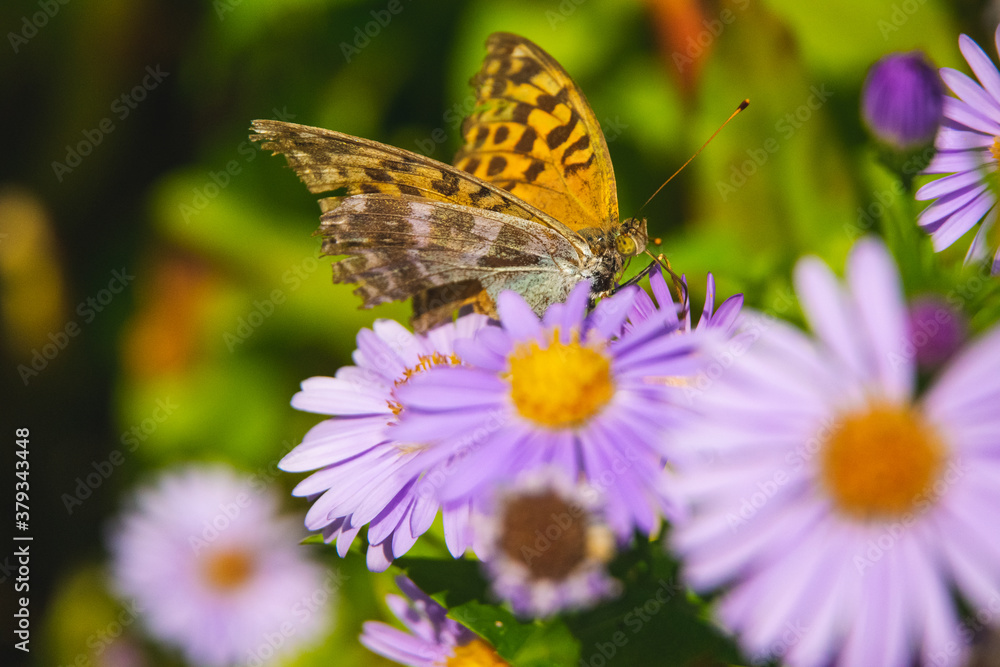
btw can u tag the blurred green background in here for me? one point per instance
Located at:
(162, 297)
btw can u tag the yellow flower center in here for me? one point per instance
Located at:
(995, 149)
(562, 384)
(424, 362)
(880, 463)
(476, 653)
(227, 569)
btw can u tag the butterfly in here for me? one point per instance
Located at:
(530, 204)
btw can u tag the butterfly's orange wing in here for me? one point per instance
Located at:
(533, 133)
(534, 170)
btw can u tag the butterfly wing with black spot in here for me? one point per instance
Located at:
(391, 260)
(533, 133)
(326, 161)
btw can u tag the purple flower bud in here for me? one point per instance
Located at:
(902, 100)
(936, 331)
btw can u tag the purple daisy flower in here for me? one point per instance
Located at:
(563, 392)
(968, 146)
(433, 640)
(545, 546)
(359, 478)
(214, 571)
(723, 318)
(835, 506)
(902, 100)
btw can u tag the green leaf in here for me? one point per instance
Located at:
(536, 643)
(656, 621)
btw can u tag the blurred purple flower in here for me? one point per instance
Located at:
(545, 546)
(902, 100)
(839, 510)
(936, 331)
(214, 571)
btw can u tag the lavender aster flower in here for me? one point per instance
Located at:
(724, 318)
(359, 479)
(902, 100)
(545, 546)
(559, 392)
(968, 145)
(434, 640)
(215, 572)
(836, 507)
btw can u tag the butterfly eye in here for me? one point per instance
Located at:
(626, 245)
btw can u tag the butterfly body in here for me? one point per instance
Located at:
(530, 206)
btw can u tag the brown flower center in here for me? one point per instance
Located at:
(545, 533)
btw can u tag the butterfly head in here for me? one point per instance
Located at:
(631, 237)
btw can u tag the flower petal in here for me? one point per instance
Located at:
(982, 66)
(963, 220)
(517, 317)
(972, 94)
(878, 299)
(965, 114)
(829, 312)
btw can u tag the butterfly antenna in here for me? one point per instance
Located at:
(743, 105)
